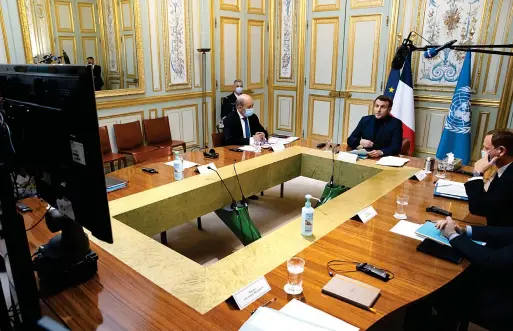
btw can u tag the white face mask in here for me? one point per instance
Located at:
(238, 90)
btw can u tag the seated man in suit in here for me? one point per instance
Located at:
(97, 74)
(242, 127)
(228, 105)
(483, 292)
(380, 134)
(496, 203)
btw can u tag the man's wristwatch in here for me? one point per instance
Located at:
(476, 173)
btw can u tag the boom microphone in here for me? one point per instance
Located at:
(226, 187)
(432, 52)
(238, 181)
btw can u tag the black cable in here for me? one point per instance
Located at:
(331, 270)
(40, 220)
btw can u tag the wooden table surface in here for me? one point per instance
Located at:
(118, 298)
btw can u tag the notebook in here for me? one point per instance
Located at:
(352, 291)
(392, 161)
(113, 183)
(428, 230)
(450, 189)
(268, 319)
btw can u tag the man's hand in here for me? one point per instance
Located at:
(448, 227)
(259, 136)
(375, 153)
(483, 164)
(366, 143)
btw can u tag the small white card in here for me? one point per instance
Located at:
(347, 157)
(278, 147)
(203, 169)
(421, 175)
(367, 214)
(249, 294)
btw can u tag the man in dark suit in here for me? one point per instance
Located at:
(228, 105)
(242, 127)
(496, 203)
(97, 74)
(380, 134)
(483, 292)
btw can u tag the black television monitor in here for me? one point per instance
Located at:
(51, 113)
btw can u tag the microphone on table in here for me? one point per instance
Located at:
(238, 181)
(432, 52)
(226, 187)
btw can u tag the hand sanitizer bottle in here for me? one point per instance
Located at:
(307, 217)
(178, 166)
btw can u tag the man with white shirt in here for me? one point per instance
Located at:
(242, 127)
(496, 203)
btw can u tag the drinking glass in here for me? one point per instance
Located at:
(441, 169)
(402, 203)
(328, 144)
(295, 268)
(258, 146)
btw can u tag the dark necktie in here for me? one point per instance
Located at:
(246, 124)
(494, 181)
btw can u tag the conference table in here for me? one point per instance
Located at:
(144, 285)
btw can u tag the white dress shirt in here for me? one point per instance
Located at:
(243, 124)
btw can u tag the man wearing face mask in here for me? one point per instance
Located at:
(242, 127)
(229, 102)
(496, 203)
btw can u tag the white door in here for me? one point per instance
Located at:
(241, 31)
(346, 56)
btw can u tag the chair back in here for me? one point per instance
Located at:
(157, 130)
(128, 135)
(405, 147)
(218, 139)
(104, 140)
(151, 155)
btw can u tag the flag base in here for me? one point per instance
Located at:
(331, 191)
(239, 222)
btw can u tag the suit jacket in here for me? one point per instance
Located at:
(97, 76)
(228, 105)
(233, 129)
(388, 139)
(496, 204)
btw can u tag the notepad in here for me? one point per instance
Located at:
(428, 230)
(302, 311)
(408, 229)
(392, 161)
(450, 189)
(268, 319)
(352, 291)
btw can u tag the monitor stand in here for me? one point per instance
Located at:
(66, 260)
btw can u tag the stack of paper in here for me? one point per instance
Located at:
(450, 189)
(392, 161)
(283, 141)
(247, 148)
(408, 229)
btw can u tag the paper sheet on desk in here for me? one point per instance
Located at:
(405, 228)
(283, 141)
(186, 164)
(448, 187)
(392, 161)
(247, 148)
(302, 311)
(267, 319)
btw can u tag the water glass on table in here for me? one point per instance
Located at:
(402, 203)
(441, 169)
(295, 269)
(258, 146)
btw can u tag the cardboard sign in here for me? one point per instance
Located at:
(420, 176)
(365, 215)
(249, 294)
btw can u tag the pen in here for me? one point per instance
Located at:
(372, 310)
(265, 305)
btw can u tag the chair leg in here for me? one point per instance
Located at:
(163, 238)
(112, 168)
(184, 148)
(262, 193)
(282, 186)
(200, 227)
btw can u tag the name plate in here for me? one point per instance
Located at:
(420, 176)
(203, 169)
(347, 157)
(366, 214)
(278, 147)
(251, 293)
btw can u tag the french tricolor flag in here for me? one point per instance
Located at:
(400, 89)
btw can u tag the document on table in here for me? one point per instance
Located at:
(283, 141)
(302, 311)
(247, 148)
(268, 319)
(186, 164)
(451, 189)
(392, 161)
(408, 229)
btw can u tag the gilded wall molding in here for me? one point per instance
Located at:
(292, 112)
(506, 98)
(138, 113)
(311, 100)
(235, 21)
(448, 99)
(316, 7)
(313, 53)
(301, 72)
(4, 36)
(359, 4)
(256, 10)
(149, 100)
(347, 113)
(286, 41)
(229, 6)
(250, 54)
(155, 20)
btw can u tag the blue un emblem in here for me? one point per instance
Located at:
(458, 120)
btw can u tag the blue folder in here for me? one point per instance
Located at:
(450, 196)
(428, 230)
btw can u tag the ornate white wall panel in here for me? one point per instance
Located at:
(153, 21)
(230, 5)
(435, 125)
(285, 112)
(129, 55)
(183, 121)
(356, 4)
(90, 47)
(363, 51)
(230, 52)
(68, 44)
(259, 106)
(255, 54)
(4, 45)
(407, 18)
(354, 110)
(325, 5)
(324, 53)
(286, 59)
(111, 36)
(86, 16)
(127, 21)
(256, 7)
(196, 36)
(109, 121)
(64, 16)
(321, 111)
(176, 45)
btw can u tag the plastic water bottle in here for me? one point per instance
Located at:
(178, 166)
(307, 214)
